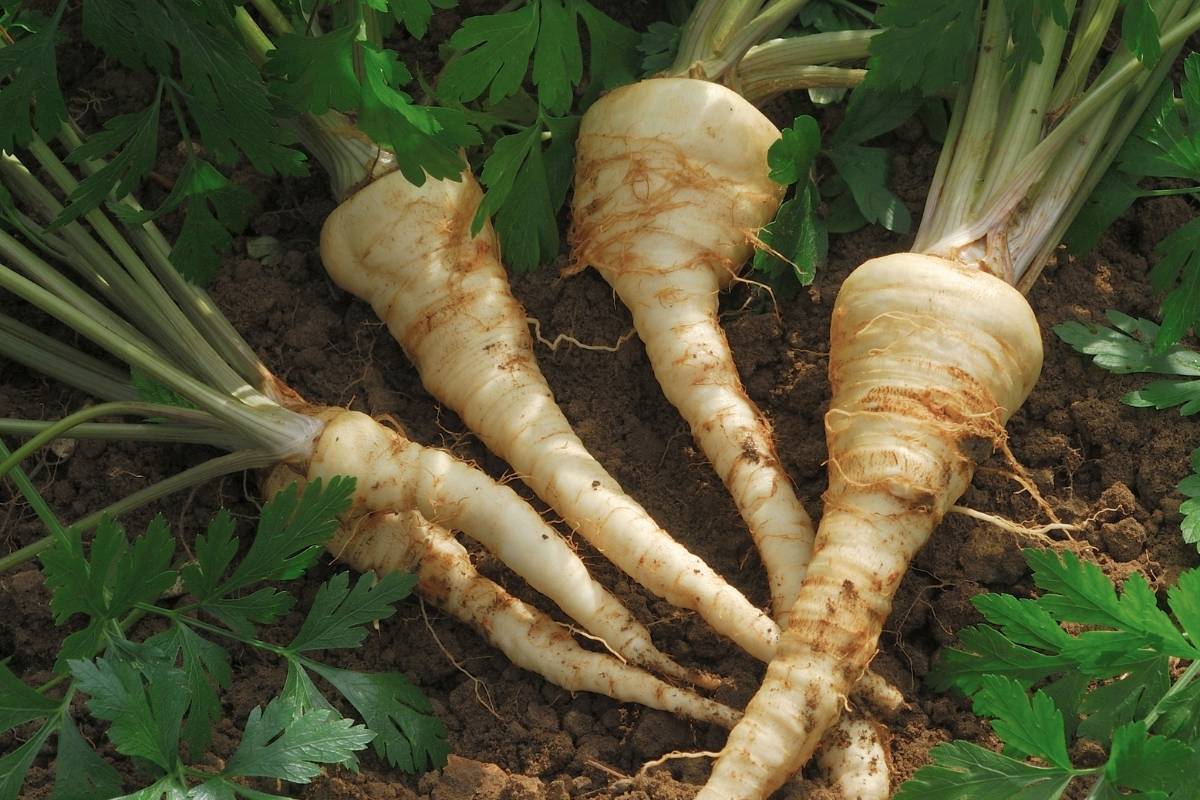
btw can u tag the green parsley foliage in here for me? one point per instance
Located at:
(527, 184)
(794, 244)
(162, 693)
(30, 99)
(862, 171)
(494, 54)
(202, 68)
(1165, 144)
(658, 45)
(215, 210)
(529, 169)
(135, 136)
(1040, 685)
(925, 44)
(338, 70)
(1131, 345)
(414, 15)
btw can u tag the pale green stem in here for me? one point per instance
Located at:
(1037, 165)
(772, 21)
(1095, 24)
(194, 301)
(964, 175)
(782, 65)
(238, 461)
(274, 16)
(705, 29)
(275, 428)
(169, 323)
(349, 157)
(38, 503)
(60, 428)
(760, 91)
(98, 268)
(123, 431)
(1026, 113)
(1170, 192)
(50, 279)
(933, 199)
(1043, 241)
(258, 44)
(62, 362)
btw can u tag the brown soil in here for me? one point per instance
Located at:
(1109, 467)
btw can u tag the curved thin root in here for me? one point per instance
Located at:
(563, 337)
(1038, 534)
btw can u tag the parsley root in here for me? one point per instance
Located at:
(387, 541)
(928, 360)
(398, 475)
(671, 184)
(445, 297)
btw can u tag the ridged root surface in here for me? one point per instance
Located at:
(384, 542)
(928, 361)
(445, 297)
(398, 475)
(671, 183)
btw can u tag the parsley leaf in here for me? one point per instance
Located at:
(316, 73)
(963, 771)
(925, 44)
(227, 97)
(494, 52)
(215, 210)
(291, 530)
(413, 14)
(406, 732)
(288, 744)
(80, 773)
(136, 135)
(658, 45)
(1129, 638)
(31, 101)
(795, 243)
(1079, 592)
(1128, 347)
(612, 51)
(791, 156)
(1190, 487)
(1139, 30)
(1029, 727)
(865, 171)
(526, 186)
(558, 58)
(206, 667)
(1147, 763)
(19, 703)
(423, 139)
(339, 611)
(1178, 274)
(15, 763)
(145, 706)
(114, 580)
